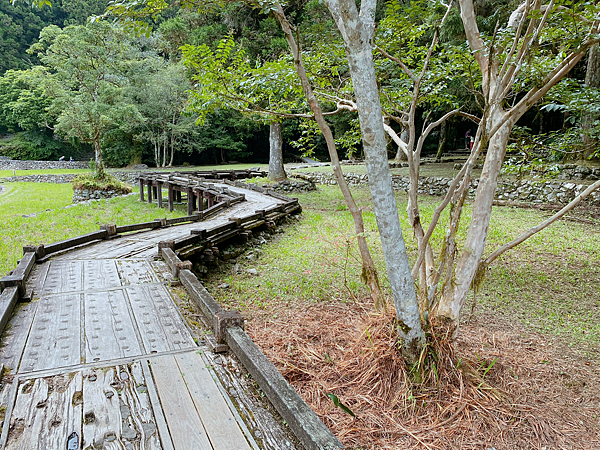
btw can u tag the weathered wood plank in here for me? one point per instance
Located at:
(46, 412)
(135, 272)
(35, 281)
(63, 276)
(15, 336)
(74, 242)
(8, 301)
(109, 327)
(159, 417)
(100, 274)
(55, 336)
(220, 424)
(116, 410)
(187, 431)
(160, 324)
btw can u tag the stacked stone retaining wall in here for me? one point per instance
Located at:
(10, 164)
(530, 191)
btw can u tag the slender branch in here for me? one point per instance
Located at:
(398, 61)
(542, 225)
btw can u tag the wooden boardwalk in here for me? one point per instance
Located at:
(102, 358)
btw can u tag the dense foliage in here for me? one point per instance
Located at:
(175, 94)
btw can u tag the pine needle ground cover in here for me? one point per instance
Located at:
(523, 373)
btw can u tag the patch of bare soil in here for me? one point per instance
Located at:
(508, 388)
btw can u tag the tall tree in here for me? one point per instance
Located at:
(86, 80)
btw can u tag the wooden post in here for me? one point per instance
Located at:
(170, 188)
(210, 200)
(200, 200)
(141, 180)
(178, 196)
(149, 185)
(155, 190)
(190, 202)
(159, 194)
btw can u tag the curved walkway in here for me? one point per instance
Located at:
(102, 358)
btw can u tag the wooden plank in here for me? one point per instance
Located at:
(36, 279)
(100, 274)
(55, 336)
(220, 424)
(184, 424)
(6, 400)
(135, 272)
(117, 414)
(63, 276)
(109, 328)
(159, 417)
(74, 242)
(161, 327)
(46, 412)
(15, 335)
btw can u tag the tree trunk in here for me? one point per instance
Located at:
(592, 79)
(454, 296)
(401, 156)
(443, 140)
(98, 155)
(276, 170)
(357, 32)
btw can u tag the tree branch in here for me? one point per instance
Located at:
(542, 225)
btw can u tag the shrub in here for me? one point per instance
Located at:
(100, 181)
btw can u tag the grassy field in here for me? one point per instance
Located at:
(550, 283)
(37, 213)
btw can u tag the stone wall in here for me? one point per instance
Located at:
(126, 177)
(530, 191)
(83, 195)
(10, 164)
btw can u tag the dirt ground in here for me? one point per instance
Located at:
(516, 389)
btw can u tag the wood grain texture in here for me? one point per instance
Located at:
(158, 320)
(63, 276)
(55, 335)
(109, 328)
(135, 272)
(100, 274)
(220, 424)
(36, 279)
(46, 412)
(116, 410)
(186, 429)
(15, 335)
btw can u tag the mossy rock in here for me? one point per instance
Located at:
(100, 182)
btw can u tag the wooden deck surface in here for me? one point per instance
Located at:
(102, 351)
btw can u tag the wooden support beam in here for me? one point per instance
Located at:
(171, 197)
(149, 186)
(159, 193)
(190, 201)
(141, 181)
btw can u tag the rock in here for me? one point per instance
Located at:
(252, 272)
(223, 286)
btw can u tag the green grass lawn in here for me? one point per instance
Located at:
(53, 222)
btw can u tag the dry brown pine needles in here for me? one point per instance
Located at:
(351, 352)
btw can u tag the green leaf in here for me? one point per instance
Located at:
(336, 401)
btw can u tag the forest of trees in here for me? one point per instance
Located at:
(211, 86)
